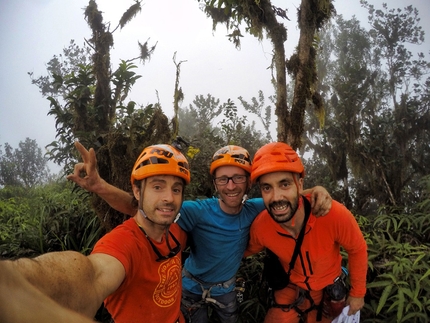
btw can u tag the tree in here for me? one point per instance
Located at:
(374, 143)
(89, 103)
(24, 166)
(200, 124)
(260, 16)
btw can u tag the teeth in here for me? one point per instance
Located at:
(280, 207)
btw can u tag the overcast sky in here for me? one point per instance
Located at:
(33, 31)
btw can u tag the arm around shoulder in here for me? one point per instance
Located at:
(320, 200)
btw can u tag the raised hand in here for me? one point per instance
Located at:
(85, 174)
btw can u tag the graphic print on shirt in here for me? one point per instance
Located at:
(168, 289)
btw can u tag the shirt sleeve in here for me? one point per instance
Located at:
(255, 244)
(352, 240)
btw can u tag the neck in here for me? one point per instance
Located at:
(153, 230)
(294, 226)
(229, 210)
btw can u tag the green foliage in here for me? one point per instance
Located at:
(253, 308)
(47, 218)
(399, 264)
(232, 123)
(24, 166)
(262, 111)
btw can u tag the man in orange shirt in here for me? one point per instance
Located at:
(135, 268)
(279, 172)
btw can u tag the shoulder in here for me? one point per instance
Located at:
(339, 210)
(199, 203)
(179, 233)
(263, 219)
(256, 203)
(338, 217)
(126, 233)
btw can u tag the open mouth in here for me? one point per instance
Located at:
(280, 208)
(166, 211)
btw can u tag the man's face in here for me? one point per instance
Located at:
(162, 198)
(231, 193)
(280, 194)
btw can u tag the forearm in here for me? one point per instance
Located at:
(66, 277)
(357, 266)
(118, 199)
(22, 302)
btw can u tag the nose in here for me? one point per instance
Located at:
(230, 184)
(277, 194)
(168, 196)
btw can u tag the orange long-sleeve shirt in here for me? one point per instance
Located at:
(319, 260)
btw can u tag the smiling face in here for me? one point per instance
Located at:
(231, 194)
(280, 192)
(162, 198)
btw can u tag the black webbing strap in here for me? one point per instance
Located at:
(301, 235)
(299, 242)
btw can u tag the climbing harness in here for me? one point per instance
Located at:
(206, 292)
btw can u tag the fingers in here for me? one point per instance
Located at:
(351, 311)
(355, 304)
(76, 176)
(88, 157)
(84, 153)
(320, 201)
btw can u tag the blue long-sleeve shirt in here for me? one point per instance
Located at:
(218, 240)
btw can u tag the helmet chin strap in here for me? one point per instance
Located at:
(244, 198)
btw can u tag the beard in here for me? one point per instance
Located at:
(280, 217)
(160, 220)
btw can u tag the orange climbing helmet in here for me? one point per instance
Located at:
(160, 160)
(231, 156)
(276, 157)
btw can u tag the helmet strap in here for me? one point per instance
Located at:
(244, 198)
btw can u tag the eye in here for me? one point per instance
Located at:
(286, 184)
(177, 190)
(265, 188)
(239, 179)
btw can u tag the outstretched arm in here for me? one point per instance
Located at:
(21, 302)
(86, 176)
(320, 200)
(69, 278)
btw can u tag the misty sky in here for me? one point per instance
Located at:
(33, 31)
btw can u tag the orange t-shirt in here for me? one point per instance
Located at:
(319, 260)
(151, 291)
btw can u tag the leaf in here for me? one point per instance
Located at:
(425, 275)
(381, 283)
(384, 297)
(401, 297)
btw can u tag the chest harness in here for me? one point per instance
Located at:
(301, 294)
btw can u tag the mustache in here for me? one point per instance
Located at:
(167, 205)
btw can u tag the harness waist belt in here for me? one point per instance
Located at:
(225, 284)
